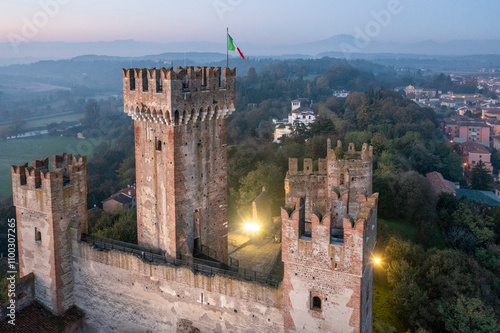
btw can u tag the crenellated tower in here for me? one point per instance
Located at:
(352, 170)
(48, 204)
(328, 243)
(180, 148)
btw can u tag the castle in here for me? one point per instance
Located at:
(329, 226)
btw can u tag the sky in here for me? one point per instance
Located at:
(249, 21)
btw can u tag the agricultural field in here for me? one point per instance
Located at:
(16, 151)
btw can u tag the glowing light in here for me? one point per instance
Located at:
(251, 227)
(377, 260)
(451, 141)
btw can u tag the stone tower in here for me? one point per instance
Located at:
(48, 204)
(328, 279)
(180, 148)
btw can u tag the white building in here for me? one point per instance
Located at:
(299, 114)
(341, 93)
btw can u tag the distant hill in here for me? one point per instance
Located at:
(342, 45)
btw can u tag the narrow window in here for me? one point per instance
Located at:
(158, 144)
(159, 87)
(316, 303)
(132, 80)
(38, 235)
(144, 80)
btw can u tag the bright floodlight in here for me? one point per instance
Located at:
(251, 226)
(376, 260)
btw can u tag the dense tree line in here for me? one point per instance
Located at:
(453, 289)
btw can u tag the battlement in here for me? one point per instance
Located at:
(367, 206)
(174, 97)
(308, 168)
(38, 175)
(365, 154)
(192, 79)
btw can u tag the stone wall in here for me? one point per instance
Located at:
(120, 292)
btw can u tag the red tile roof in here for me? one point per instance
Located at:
(439, 184)
(473, 147)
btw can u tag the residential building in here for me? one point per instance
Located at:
(301, 112)
(121, 200)
(282, 130)
(463, 129)
(341, 93)
(472, 153)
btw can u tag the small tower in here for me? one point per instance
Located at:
(48, 204)
(180, 152)
(328, 278)
(352, 171)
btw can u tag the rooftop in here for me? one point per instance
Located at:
(484, 197)
(465, 121)
(474, 147)
(439, 184)
(303, 110)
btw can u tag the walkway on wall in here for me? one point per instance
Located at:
(157, 257)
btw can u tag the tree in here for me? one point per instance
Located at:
(266, 175)
(481, 178)
(92, 114)
(4, 132)
(18, 126)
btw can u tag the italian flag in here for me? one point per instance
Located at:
(232, 47)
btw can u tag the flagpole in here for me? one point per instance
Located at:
(227, 47)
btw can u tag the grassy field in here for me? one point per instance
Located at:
(54, 119)
(14, 152)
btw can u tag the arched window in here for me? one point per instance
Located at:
(316, 303)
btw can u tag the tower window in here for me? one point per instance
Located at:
(144, 80)
(38, 235)
(316, 303)
(132, 80)
(158, 144)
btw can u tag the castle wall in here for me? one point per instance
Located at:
(119, 292)
(338, 292)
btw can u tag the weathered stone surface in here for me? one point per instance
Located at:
(327, 244)
(180, 145)
(119, 292)
(47, 203)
